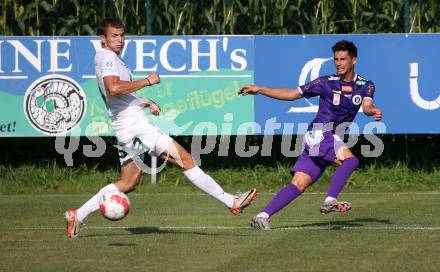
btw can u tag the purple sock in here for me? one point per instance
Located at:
(341, 176)
(282, 198)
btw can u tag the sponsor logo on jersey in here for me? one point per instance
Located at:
(357, 99)
(370, 89)
(361, 78)
(347, 89)
(336, 97)
(311, 84)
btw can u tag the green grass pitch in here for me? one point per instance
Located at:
(192, 232)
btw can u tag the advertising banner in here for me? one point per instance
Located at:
(48, 86)
(403, 68)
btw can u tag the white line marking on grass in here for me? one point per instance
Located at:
(348, 227)
(322, 227)
(203, 194)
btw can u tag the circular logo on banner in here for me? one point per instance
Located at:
(357, 99)
(54, 104)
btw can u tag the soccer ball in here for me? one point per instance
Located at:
(114, 205)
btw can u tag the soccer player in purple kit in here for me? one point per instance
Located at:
(340, 97)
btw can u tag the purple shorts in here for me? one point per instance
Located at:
(315, 158)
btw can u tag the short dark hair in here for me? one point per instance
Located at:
(110, 21)
(346, 46)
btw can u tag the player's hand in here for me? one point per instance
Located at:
(377, 114)
(249, 89)
(153, 78)
(154, 108)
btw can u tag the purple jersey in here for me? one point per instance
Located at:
(339, 101)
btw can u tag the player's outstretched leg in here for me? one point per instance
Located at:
(339, 178)
(261, 223)
(130, 176)
(75, 218)
(335, 206)
(178, 155)
(73, 226)
(279, 201)
(235, 203)
(242, 200)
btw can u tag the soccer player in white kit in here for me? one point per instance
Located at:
(133, 129)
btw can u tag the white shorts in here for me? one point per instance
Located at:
(136, 136)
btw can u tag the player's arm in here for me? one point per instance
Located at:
(148, 103)
(277, 93)
(116, 86)
(371, 110)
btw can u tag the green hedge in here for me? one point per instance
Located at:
(415, 151)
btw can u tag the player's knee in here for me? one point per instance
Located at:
(301, 181)
(131, 183)
(301, 187)
(187, 161)
(300, 184)
(189, 165)
(134, 181)
(354, 162)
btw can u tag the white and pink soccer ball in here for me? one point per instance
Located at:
(114, 205)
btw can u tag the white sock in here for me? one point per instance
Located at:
(329, 198)
(263, 214)
(208, 185)
(92, 204)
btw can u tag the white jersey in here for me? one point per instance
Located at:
(108, 63)
(132, 128)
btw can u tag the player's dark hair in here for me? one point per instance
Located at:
(346, 46)
(109, 21)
